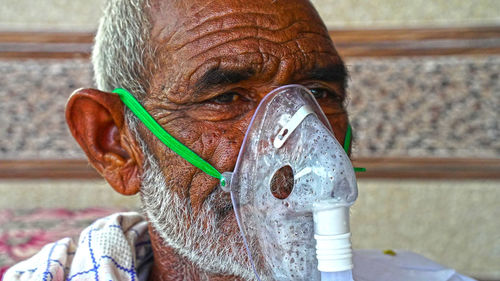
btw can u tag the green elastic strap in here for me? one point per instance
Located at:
(175, 145)
(179, 148)
(347, 143)
(347, 140)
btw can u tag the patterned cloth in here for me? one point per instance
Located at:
(117, 247)
(23, 232)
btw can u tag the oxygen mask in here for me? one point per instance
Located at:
(291, 189)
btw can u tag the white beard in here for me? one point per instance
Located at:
(203, 243)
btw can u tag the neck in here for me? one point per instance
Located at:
(170, 266)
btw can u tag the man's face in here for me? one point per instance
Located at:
(215, 61)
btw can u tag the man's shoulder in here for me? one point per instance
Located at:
(113, 247)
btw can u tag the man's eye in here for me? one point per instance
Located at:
(323, 94)
(226, 98)
(320, 93)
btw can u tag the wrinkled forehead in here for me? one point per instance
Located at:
(193, 37)
(171, 16)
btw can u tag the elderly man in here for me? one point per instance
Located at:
(199, 68)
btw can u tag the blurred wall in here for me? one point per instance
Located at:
(84, 14)
(432, 106)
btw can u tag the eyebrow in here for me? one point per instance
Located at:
(217, 76)
(329, 73)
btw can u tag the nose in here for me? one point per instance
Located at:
(258, 95)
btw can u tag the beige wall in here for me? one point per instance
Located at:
(71, 194)
(456, 223)
(50, 14)
(408, 13)
(84, 14)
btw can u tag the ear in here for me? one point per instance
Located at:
(96, 120)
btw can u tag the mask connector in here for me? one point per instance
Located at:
(333, 239)
(225, 181)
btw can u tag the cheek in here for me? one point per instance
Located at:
(222, 153)
(177, 172)
(216, 142)
(339, 126)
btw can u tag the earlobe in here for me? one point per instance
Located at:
(96, 121)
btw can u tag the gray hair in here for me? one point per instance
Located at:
(122, 51)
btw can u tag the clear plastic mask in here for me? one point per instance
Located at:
(290, 164)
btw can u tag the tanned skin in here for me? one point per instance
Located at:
(215, 61)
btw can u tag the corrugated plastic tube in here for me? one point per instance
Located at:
(333, 241)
